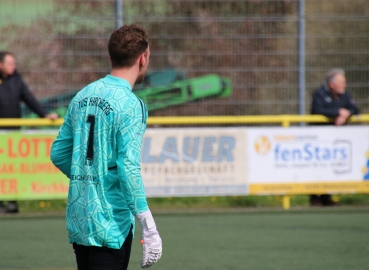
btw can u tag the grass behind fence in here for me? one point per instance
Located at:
(172, 203)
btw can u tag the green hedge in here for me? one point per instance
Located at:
(174, 203)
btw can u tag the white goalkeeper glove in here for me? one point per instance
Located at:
(151, 241)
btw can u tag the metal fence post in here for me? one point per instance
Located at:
(301, 55)
(118, 13)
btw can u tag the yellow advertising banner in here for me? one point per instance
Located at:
(26, 171)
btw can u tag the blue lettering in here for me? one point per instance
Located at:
(276, 152)
(285, 154)
(307, 150)
(190, 155)
(169, 151)
(326, 154)
(296, 154)
(207, 153)
(146, 156)
(226, 146)
(317, 153)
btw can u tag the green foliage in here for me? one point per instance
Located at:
(212, 202)
(23, 12)
(45, 206)
(79, 17)
(353, 199)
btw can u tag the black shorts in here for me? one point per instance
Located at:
(103, 258)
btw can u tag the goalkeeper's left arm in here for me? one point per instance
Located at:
(151, 242)
(129, 141)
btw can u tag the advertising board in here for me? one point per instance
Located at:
(208, 162)
(26, 171)
(305, 160)
(194, 161)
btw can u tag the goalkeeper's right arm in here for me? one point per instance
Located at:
(62, 149)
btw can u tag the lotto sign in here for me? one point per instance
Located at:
(26, 171)
(308, 160)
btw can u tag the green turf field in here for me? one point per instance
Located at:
(336, 238)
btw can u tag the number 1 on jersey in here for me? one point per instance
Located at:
(90, 142)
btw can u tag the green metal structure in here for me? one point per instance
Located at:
(181, 92)
(158, 91)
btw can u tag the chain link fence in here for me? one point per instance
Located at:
(61, 45)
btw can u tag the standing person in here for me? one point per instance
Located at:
(12, 91)
(332, 100)
(99, 149)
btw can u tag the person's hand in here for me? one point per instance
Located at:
(343, 115)
(151, 241)
(52, 116)
(340, 121)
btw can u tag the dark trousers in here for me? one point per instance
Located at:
(103, 258)
(11, 207)
(324, 200)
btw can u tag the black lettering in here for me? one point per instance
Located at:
(83, 103)
(107, 110)
(101, 103)
(93, 101)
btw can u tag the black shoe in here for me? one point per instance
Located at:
(315, 202)
(12, 208)
(330, 203)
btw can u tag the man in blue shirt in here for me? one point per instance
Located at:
(99, 148)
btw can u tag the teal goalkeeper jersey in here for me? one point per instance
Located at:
(99, 149)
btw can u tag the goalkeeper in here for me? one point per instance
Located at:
(99, 149)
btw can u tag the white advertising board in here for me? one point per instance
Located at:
(308, 159)
(255, 161)
(194, 161)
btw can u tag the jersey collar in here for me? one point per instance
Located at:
(117, 81)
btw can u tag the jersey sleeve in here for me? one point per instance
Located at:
(62, 148)
(129, 144)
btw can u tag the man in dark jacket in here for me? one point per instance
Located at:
(332, 100)
(12, 91)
